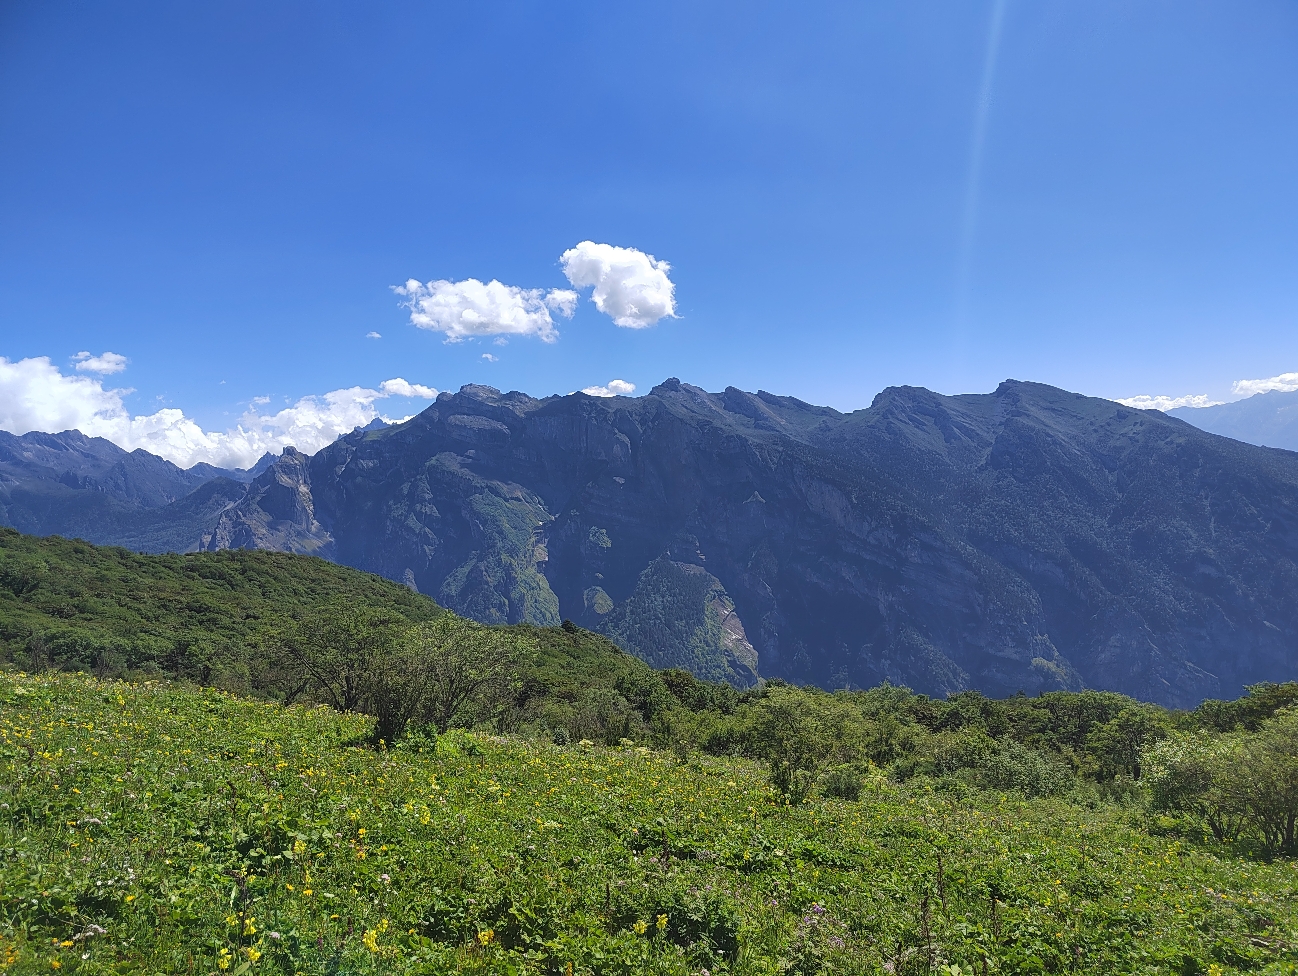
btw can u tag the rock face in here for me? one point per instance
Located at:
(277, 512)
(1028, 539)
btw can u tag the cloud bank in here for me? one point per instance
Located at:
(614, 388)
(1144, 402)
(36, 395)
(1284, 383)
(465, 309)
(629, 286)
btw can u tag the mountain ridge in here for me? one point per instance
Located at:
(1266, 419)
(1025, 539)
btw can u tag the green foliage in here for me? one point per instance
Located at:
(297, 627)
(1244, 784)
(149, 828)
(208, 617)
(1261, 702)
(842, 783)
(673, 619)
(1116, 745)
(797, 733)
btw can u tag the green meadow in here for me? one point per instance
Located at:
(157, 828)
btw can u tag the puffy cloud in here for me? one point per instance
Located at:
(36, 395)
(629, 285)
(108, 362)
(1145, 402)
(464, 309)
(1285, 383)
(399, 387)
(490, 358)
(614, 388)
(373, 335)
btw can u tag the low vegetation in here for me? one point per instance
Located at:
(155, 828)
(283, 766)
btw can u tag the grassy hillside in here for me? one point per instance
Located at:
(207, 617)
(147, 828)
(196, 616)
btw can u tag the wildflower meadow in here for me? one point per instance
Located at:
(156, 828)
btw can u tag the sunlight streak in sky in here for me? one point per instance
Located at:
(969, 217)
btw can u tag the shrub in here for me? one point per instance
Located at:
(1244, 783)
(1016, 767)
(1115, 746)
(603, 715)
(842, 783)
(797, 731)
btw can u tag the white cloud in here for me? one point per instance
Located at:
(1285, 383)
(614, 388)
(490, 358)
(399, 387)
(373, 335)
(1145, 402)
(630, 286)
(464, 309)
(108, 362)
(36, 395)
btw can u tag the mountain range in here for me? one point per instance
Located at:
(1028, 539)
(1269, 419)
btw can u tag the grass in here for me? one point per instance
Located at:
(153, 828)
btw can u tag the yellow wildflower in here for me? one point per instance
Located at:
(662, 922)
(486, 935)
(640, 926)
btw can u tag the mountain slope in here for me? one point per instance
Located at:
(1268, 419)
(73, 485)
(1027, 539)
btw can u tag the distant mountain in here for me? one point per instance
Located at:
(1028, 539)
(1269, 419)
(73, 485)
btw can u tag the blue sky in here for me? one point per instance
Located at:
(849, 196)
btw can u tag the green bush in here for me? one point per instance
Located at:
(1016, 767)
(842, 783)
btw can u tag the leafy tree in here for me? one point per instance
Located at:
(1186, 774)
(1262, 701)
(797, 731)
(1116, 746)
(603, 715)
(1243, 782)
(1262, 781)
(338, 651)
(465, 670)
